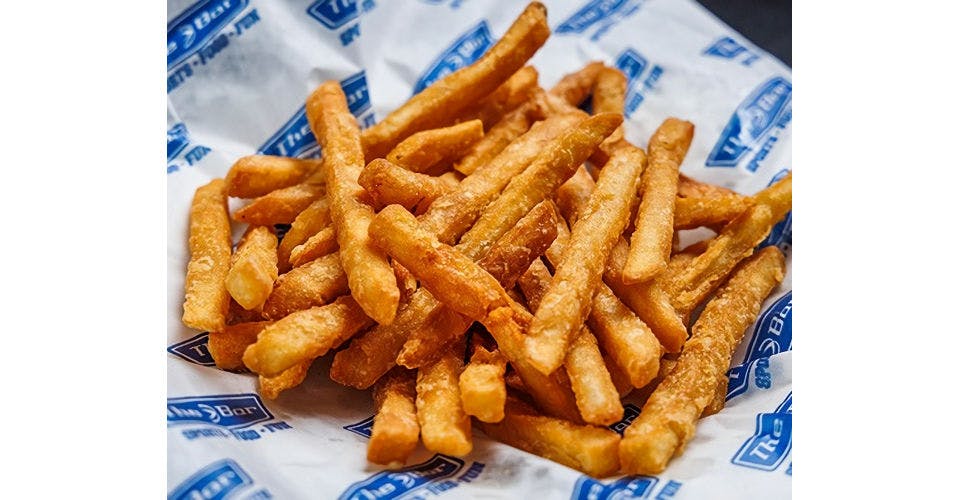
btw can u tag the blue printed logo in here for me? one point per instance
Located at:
(193, 350)
(632, 64)
(768, 106)
(771, 441)
(216, 481)
(464, 51)
(363, 428)
(394, 484)
(602, 13)
(728, 48)
(625, 488)
(178, 140)
(630, 413)
(334, 13)
(781, 235)
(295, 139)
(234, 411)
(772, 334)
(194, 27)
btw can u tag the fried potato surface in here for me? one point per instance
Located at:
(253, 268)
(256, 175)
(395, 432)
(206, 299)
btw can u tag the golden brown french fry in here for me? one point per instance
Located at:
(555, 164)
(651, 240)
(227, 346)
(388, 184)
(271, 387)
(281, 206)
(719, 398)
(567, 303)
(688, 187)
(257, 175)
(513, 125)
(371, 278)
(482, 388)
(206, 299)
(315, 284)
(619, 377)
(253, 268)
(305, 335)
(591, 450)
(440, 103)
(395, 429)
(572, 196)
(309, 222)
(427, 150)
(668, 418)
(575, 87)
(320, 244)
(779, 197)
(609, 96)
(444, 427)
(513, 93)
(452, 214)
(695, 212)
(597, 397)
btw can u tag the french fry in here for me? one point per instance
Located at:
(567, 303)
(206, 299)
(387, 184)
(506, 261)
(371, 278)
(257, 175)
(651, 240)
(591, 450)
(424, 151)
(281, 206)
(320, 244)
(227, 346)
(668, 418)
(452, 214)
(440, 103)
(735, 242)
(271, 387)
(575, 87)
(572, 196)
(253, 268)
(444, 427)
(395, 430)
(314, 284)
(510, 95)
(597, 396)
(513, 125)
(688, 187)
(609, 96)
(483, 391)
(555, 164)
(307, 223)
(305, 335)
(696, 212)
(719, 398)
(619, 377)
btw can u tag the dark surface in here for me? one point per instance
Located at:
(766, 23)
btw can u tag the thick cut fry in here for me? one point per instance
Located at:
(597, 397)
(257, 175)
(482, 387)
(440, 103)
(505, 261)
(609, 96)
(444, 427)
(696, 212)
(688, 187)
(442, 270)
(779, 197)
(513, 93)
(305, 335)
(423, 151)
(371, 278)
(508, 129)
(281, 206)
(575, 87)
(591, 450)
(578, 274)
(308, 223)
(669, 416)
(651, 240)
(320, 244)
(206, 299)
(254, 268)
(719, 398)
(452, 214)
(271, 387)
(227, 346)
(388, 184)
(314, 284)
(395, 429)
(555, 164)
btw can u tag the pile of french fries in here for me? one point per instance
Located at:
(490, 255)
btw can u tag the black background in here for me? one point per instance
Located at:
(766, 23)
